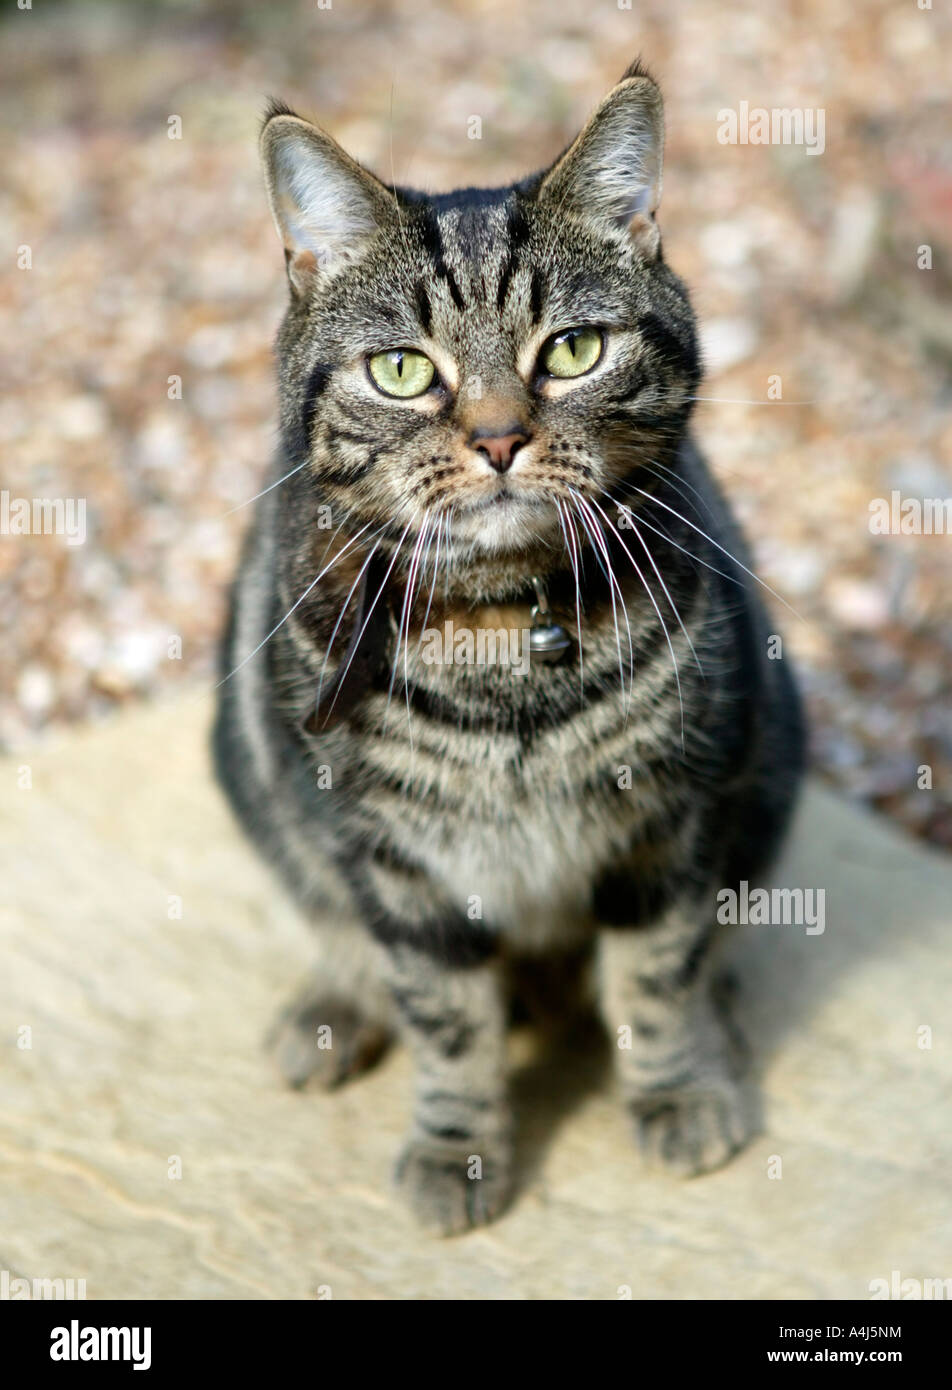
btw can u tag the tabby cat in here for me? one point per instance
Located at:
(485, 399)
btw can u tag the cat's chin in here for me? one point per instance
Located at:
(505, 525)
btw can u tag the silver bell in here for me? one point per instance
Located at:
(549, 643)
(548, 640)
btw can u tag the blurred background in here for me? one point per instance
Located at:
(153, 258)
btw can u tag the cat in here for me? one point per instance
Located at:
(485, 399)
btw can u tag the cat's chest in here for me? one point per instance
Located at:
(515, 830)
(529, 870)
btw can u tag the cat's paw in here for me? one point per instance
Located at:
(452, 1188)
(694, 1128)
(324, 1042)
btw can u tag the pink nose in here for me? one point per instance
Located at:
(500, 449)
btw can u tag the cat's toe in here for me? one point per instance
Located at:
(451, 1189)
(694, 1129)
(324, 1042)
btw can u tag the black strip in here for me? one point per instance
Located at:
(452, 1032)
(454, 942)
(346, 477)
(517, 228)
(636, 386)
(448, 1132)
(454, 289)
(423, 306)
(369, 774)
(451, 939)
(535, 295)
(433, 241)
(691, 966)
(508, 271)
(523, 721)
(517, 232)
(644, 421)
(317, 381)
(334, 432)
(657, 335)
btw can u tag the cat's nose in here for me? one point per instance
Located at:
(499, 449)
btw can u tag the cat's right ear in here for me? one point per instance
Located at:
(325, 206)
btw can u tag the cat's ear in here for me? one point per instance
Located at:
(612, 172)
(325, 206)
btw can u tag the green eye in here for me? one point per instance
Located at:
(401, 372)
(572, 353)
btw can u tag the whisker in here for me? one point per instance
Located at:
(269, 488)
(448, 550)
(377, 596)
(654, 566)
(666, 536)
(675, 478)
(733, 558)
(340, 616)
(667, 636)
(626, 508)
(409, 587)
(406, 646)
(436, 562)
(657, 394)
(596, 535)
(572, 546)
(724, 400)
(353, 540)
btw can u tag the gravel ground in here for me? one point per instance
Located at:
(153, 258)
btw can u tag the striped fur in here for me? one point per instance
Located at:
(459, 820)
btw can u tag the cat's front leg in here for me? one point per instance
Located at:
(674, 1056)
(456, 1166)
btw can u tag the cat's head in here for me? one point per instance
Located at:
(481, 354)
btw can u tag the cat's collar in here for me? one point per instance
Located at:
(548, 640)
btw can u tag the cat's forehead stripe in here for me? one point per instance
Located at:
(423, 306)
(476, 251)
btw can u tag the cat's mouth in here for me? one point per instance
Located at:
(506, 500)
(505, 521)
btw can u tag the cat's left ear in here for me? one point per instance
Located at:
(611, 173)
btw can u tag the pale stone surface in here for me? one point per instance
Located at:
(146, 1043)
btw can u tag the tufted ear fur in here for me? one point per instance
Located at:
(325, 206)
(611, 174)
